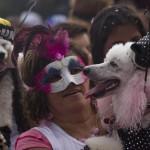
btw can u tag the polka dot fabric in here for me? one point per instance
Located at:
(135, 140)
(142, 51)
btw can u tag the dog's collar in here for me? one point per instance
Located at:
(138, 66)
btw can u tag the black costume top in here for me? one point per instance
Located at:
(135, 139)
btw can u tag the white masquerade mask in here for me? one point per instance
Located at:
(57, 75)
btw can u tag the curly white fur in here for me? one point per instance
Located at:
(7, 87)
(104, 143)
(6, 84)
(129, 99)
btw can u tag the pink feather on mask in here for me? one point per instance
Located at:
(57, 47)
(39, 85)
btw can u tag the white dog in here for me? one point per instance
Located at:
(6, 83)
(120, 77)
(7, 88)
(10, 87)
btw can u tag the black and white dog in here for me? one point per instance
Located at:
(124, 75)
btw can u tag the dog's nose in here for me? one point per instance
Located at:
(86, 71)
(86, 147)
(2, 55)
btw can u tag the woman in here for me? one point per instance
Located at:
(55, 93)
(115, 24)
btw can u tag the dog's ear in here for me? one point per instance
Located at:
(136, 48)
(142, 51)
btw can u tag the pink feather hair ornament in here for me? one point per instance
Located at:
(56, 47)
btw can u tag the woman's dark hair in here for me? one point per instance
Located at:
(30, 41)
(103, 24)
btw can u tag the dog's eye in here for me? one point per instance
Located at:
(3, 44)
(112, 63)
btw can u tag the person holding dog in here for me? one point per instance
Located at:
(60, 115)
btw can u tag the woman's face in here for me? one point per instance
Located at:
(83, 40)
(68, 85)
(70, 100)
(122, 34)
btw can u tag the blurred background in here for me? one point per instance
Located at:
(44, 7)
(52, 12)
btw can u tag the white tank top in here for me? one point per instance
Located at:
(59, 139)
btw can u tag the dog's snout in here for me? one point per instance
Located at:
(2, 55)
(86, 71)
(86, 147)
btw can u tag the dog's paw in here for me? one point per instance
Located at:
(103, 143)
